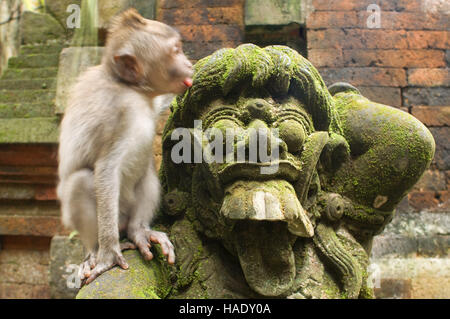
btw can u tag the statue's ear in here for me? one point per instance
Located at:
(342, 87)
(128, 68)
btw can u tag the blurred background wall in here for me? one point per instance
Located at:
(396, 53)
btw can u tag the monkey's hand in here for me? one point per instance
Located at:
(143, 238)
(105, 260)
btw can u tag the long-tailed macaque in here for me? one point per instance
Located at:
(108, 182)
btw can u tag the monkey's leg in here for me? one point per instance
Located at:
(107, 190)
(79, 212)
(139, 231)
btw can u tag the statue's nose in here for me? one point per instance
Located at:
(260, 109)
(260, 136)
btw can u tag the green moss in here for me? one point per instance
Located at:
(34, 130)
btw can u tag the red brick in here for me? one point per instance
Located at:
(374, 39)
(350, 5)
(432, 115)
(406, 20)
(31, 243)
(209, 33)
(169, 4)
(326, 57)
(24, 291)
(324, 39)
(424, 201)
(428, 39)
(429, 77)
(395, 58)
(442, 156)
(431, 180)
(199, 16)
(447, 177)
(30, 226)
(197, 50)
(28, 155)
(383, 77)
(332, 19)
(391, 96)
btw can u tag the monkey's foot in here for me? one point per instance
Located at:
(143, 238)
(84, 270)
(127, 246)
(105, 261)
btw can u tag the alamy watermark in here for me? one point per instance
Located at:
(374, 19)
(262, 145)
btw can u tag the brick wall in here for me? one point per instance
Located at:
(404, 63)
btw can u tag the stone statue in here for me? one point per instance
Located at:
(304, 231)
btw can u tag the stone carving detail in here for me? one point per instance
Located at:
(302, 232)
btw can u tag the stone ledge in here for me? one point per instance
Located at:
(34, 130)
(414, 278)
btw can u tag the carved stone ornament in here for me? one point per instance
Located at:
(304, 231)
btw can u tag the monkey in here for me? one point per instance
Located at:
(108, 186)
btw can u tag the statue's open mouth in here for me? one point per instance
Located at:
(268, 216)
(283, 169)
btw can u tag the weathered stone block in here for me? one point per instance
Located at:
(272, 12)
(395, 58)
(432, 115)
(426, 96)
(33, 130)
(366, 76)
(58, 9)
(39, 28)
(442, 138)
(72, 62)
(64, 252)
(429, 77)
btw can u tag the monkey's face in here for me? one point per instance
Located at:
(174, 70)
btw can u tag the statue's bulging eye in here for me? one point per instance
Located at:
(293, 134)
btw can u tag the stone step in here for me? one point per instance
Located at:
(410, 278)
(27, 96)
(33, 84)
(29, 74)
(32, 130)
(41, 49)
(34, 61)
(26, 110)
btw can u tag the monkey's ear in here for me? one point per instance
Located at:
(128, 68)
(132, 18)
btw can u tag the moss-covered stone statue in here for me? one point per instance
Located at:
(304, 231)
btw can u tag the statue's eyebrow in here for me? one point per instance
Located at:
(288, 109)
(218, 109)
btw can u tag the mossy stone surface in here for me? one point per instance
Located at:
(143, 280)
(32, 130)
(39, 28)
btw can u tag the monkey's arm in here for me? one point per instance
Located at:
(147, 202)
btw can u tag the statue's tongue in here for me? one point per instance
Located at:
(266, 210)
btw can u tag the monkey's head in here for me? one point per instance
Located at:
(147, 54)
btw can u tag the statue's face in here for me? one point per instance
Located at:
(256, 206)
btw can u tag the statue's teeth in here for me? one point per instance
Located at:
(273, 200)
